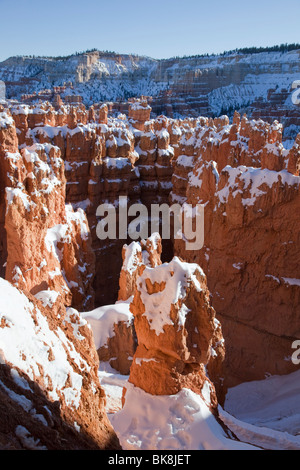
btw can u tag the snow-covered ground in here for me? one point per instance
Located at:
(110, 77)
(256, 415)
(273, 403)
(260, 415)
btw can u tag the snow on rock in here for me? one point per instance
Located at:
(176, 331)
(175, 278)
(43, 363)
(170, 422)
(23, 345)
(113, 332)
(174, 83)
(268, 419)
(291, 281)
(36, 210)
(6, 119)
(251, 183)
(47, 297)
(135, 256)
(103, 319)
(27, 440)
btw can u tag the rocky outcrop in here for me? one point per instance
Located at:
(8, 145)
(113, 325)
(250, 240)
(175, 329)
(103, 160)
(50, 396)
(139, 113)
(178, 336)
(135, 257)
(50, 392)
(293, 160)
(62, 260)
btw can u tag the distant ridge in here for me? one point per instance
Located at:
(251, 80)
(244, 50)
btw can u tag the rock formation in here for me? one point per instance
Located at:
(136, 256)
(139, 113)
(178, 336)
(59, 165)
(175, 332)
(50, 396)
(50, 392)
(48, 244)
(256, 82)
(113, 325)
(249, 185)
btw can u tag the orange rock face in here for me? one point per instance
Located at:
(135, 257)
(49, 264)
(48, 244)
(139, 113)
(250, 240)
(120, 348)
(178, 335)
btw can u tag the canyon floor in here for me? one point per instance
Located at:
(268, 419)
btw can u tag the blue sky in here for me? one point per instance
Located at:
(155, 28)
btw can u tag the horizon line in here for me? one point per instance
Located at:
(283, 48)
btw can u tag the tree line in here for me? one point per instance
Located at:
(246, 50)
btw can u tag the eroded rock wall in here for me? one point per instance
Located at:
(239, 169)
(249, 185)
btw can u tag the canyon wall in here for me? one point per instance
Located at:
(60, 165)
(51, 397)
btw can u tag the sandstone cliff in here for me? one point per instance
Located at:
(50, 392)
(249, 184)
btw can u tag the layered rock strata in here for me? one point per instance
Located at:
(48, 244)
(249, 184)
(239, 169)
